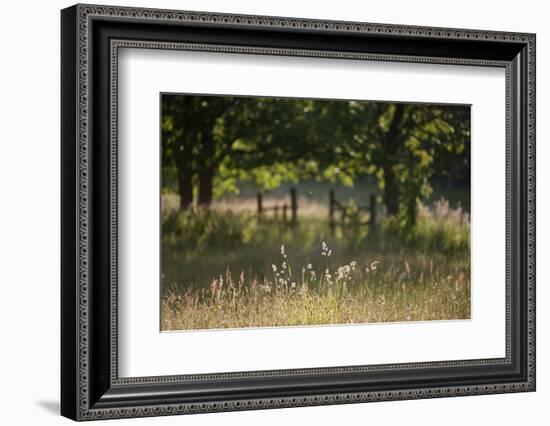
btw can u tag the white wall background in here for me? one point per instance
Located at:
(29, 211)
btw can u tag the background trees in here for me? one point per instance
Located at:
(210, 143)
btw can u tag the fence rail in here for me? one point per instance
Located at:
(338, 212)
(343, 210)
(276, 208)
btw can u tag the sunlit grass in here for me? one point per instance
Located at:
(252, 304)
(217, 274)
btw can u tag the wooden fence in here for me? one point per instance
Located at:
(344, 212)
(339, 214)
(280, 210)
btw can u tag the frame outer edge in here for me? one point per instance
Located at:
(531, 200)
(69, 287)
(81, 318)
(83, 60)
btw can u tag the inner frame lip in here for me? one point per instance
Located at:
(116, 44)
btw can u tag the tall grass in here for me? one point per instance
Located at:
(343, 294)
(223, 268)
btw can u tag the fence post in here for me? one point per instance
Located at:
(276, 209)
(285, 207)
(373, 212)
(293, 205)
(331, 210)
(259, 198)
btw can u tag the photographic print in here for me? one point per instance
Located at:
(299, 212)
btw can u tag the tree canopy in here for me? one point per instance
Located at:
(210, 143)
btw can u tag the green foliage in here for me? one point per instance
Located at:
(271, 141)
(199, 245)
(199, 230)
(443, 230)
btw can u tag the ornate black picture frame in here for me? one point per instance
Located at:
(91, 388)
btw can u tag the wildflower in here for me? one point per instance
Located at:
(328, 276)
(309, 266)
(343, 272)
(352, 264)
(274, 268)
(283, 250)
(373, 265)
(325, 251)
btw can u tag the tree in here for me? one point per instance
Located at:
(216, 141)
(193, 143)
(177, 146)
(398, 144)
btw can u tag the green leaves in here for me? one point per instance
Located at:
(276, 140)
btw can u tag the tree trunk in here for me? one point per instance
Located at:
(412, 211)
(391, 146)
(185, 186)
(206, 186)
(391, 190)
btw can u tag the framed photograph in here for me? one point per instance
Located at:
(263, 212)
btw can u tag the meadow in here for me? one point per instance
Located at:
(224, 268)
